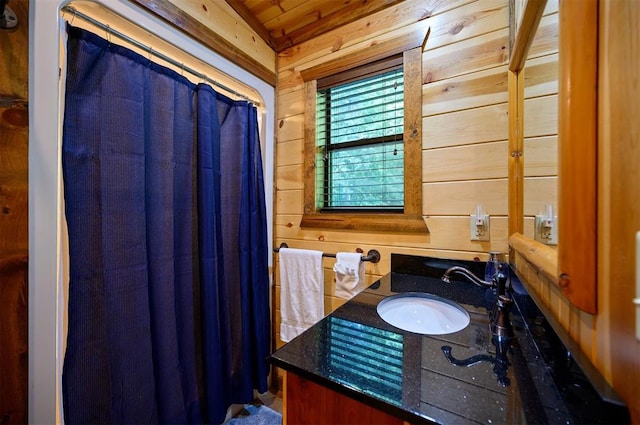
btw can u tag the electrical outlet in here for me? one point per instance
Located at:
(546, 229)
(479, 227)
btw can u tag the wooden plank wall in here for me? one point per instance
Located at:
(541, 119)
(465, 132)
(219, 17)
(14, 139)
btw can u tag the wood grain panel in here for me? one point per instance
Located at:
(541, 116)
(387, 244)
(391, 43)
(309, 128)
(14, 186)
(461, 197)
(251, 19)
(323, 19)
(14, 140)
(466, 91)
(14, 78)
(287, 16)
(360, 32)
(476, 54)
(412, 68)
(468, 21)
(290, 128)
(452, 233)
(372, 222)
(439, 7)
(528, 227)
(469, 162)
(291, 103)
(546, 39)
(539, 191)
(290, 152)
(289, 79)
(308, 402)
(289, 177)
(289, 201)
(223, 19)
(13, 337)
(541, 156)
(177, 17)
(14, 213)
(486, 124)
(541, 76)
(542, 258)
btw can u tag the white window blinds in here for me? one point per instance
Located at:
(359, 136)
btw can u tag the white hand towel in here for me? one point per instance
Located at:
(349, 270)
(301, 291)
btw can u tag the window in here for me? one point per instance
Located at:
(359, 137)
(394, 201)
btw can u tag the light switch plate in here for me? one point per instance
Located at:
(479, 233)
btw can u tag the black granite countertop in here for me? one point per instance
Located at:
(355, 352)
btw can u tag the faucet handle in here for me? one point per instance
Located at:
(501, 279)
(500, 324)
(496, 258)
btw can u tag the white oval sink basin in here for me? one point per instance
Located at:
(422, 313)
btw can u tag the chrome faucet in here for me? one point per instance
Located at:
(499, 280)
(499, 315)
(466, 273)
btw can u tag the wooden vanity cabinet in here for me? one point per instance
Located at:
(305, 402)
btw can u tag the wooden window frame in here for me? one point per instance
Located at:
(409, 221)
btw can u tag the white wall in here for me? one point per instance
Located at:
(47, 300)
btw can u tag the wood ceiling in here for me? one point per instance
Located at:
(281, 23)
(285, 23)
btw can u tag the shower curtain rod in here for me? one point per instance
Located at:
(153, 52)
(373, 255)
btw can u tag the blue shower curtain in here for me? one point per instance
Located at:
(164, 200)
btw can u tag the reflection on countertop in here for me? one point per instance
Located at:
(461, 377)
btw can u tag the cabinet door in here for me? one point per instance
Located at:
(309, 403)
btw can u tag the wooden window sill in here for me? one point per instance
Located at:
(402, 223)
